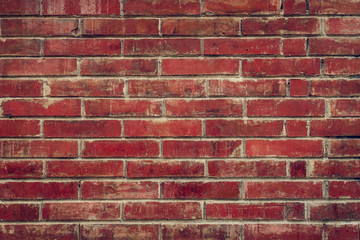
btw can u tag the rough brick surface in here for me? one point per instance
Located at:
(179, 119)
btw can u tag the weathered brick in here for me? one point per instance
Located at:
(286, 107)
(79, 7)
(242, 46)
(335, 211)
(246, 168)
(162, 210)
(166, 88)
(282, 190)
(335, 127)
(284, 148)
(162, 128)
(299, 87)
(334, 169)
(344, 148)
(207, 66)
(343, 25)
(298, 169)
(21, 169)
(334, 88)
(122, 108)
(202, 149)
(201, 231)
(281, 67)
(39, 190)
(119, 190)
(292, 7)
(280, 26)
(111, 168)
(42, 107)
(238, 7)
(345, 108)
(234, 128)
(334, 46)
(136, 148)
(344, 190)
(342, 66)
(20, 47)
(82, 128)
(81, 211)
(19, 128)
(201, 190)
(21, 88)
(19, 212)
(204, 108)
(200, 27)
(38, 149)
(294, 46)
(20, 7)
(295, 211)
(39, 231)
(345, 232)
(244, 88)
(321, 7)
(265, 211)
(165, 168)
(296, 128)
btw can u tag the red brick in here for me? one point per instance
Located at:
(39, 27)
(201, 27)
(335, 211)
(213, 231)
(121, 27)
(109, 148)
(341, 189)
(79, 7)
(284, 148)
(21, 169)
(251, 88)
(162, 128)
(162, 210)
(201, 190)
(85, 168)
(295, 211)
(334, 46)
(344, 148)
(283, 231)
(237, 168)
(335, 127)
(334, 88)
(39, 190)
(286, 107)
(38, 67)
(161, 47)
(119, 190)
(298, 169)
(119, 231)
(39, 231)
(81, 211)
(296, 128)
(345, 232)
(265, 211)
(20, 47)
(334, 169)
(38, 149)
(122, 108)
(281, 67)
(202, 149)
(207, 66)
(280, 26)
(19, 128)
(282, 190)
(345, 108)
(238, 128)
(294, 47)
(21, 88)
(343, 25)
(118, 67)
(19, 212)
(42, 107)
(158, 168)
(161, 7)
(20, 7)
(298, 87)
(166, 88)
(334, 7)
(292, 7)
(82, 128)
(241, 46)
(238, 7)
(85, 87)
(342, 66)
(204, 108)
(82, 47)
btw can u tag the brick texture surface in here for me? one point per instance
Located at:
(179, 119)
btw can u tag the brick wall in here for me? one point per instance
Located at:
(180, 119)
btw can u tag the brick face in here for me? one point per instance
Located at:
(179, 119)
